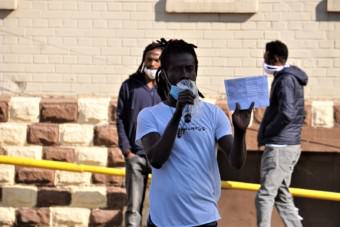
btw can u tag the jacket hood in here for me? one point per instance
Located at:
(299, 74)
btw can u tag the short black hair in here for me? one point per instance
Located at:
(277, 50)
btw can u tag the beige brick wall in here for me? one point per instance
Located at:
(76, 47)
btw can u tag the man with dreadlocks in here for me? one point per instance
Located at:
(137, 92)
(185, 186)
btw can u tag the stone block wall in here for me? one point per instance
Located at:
(83, 130)
(61, 129)
(71, 47)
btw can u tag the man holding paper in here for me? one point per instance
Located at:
(280, 133)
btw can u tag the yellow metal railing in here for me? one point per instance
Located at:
(56, 165)
(298, 192)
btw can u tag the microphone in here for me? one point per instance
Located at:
(187, 111)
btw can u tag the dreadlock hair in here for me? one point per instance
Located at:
(171, 47)
(151, 46)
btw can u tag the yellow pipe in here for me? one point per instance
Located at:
(47, 164)
(56, 165)
(298, 192)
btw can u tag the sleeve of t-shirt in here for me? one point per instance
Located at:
(145, 125)
(223, 126)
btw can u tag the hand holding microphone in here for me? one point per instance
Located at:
(190, 87)
(186, 101)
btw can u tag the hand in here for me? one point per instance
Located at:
(130, 155)
(184, 98)
(241, 118)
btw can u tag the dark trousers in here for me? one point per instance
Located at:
(211, 224)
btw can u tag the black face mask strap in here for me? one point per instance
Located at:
(200, 94)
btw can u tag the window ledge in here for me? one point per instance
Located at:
(212, 6)
(333, 5)
(8, 4)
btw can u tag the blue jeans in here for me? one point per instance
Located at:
(277, 165)
(137, 170)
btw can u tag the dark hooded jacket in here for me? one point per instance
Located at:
(134, 95)
(283, 119)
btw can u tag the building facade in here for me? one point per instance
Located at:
(63, 61)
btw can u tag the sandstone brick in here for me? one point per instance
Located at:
(93, 110)
(7, 216)
(7, 174)
(100, 217)
(76, 134)
(30, 216)
(116, 197)
(258, 115)
(323, 114)
(337, 114)
(4, 109)
(25, 109)
(43, 134)
(115, 157)
(112, 110)
(12, 134)
(19, 196)
(105, 135)
(2, 151)
(251, 138)
(53, 197)
(56, 153)
(34, 176)
(58, 110)
(66, 216)
(107, 179)
(320, 139)
(92, 155)
(224, 106)
(72, 178)
(89, 197)
(34, 152)
(308, 114)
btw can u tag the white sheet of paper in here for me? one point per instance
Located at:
(246, 90)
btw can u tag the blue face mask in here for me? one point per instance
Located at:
(182, 85)
(174, 91)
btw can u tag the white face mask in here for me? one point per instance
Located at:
(271, 69)
(150, 73)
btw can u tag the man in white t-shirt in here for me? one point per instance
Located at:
(185, 187)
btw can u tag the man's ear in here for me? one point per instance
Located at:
(279, 61)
